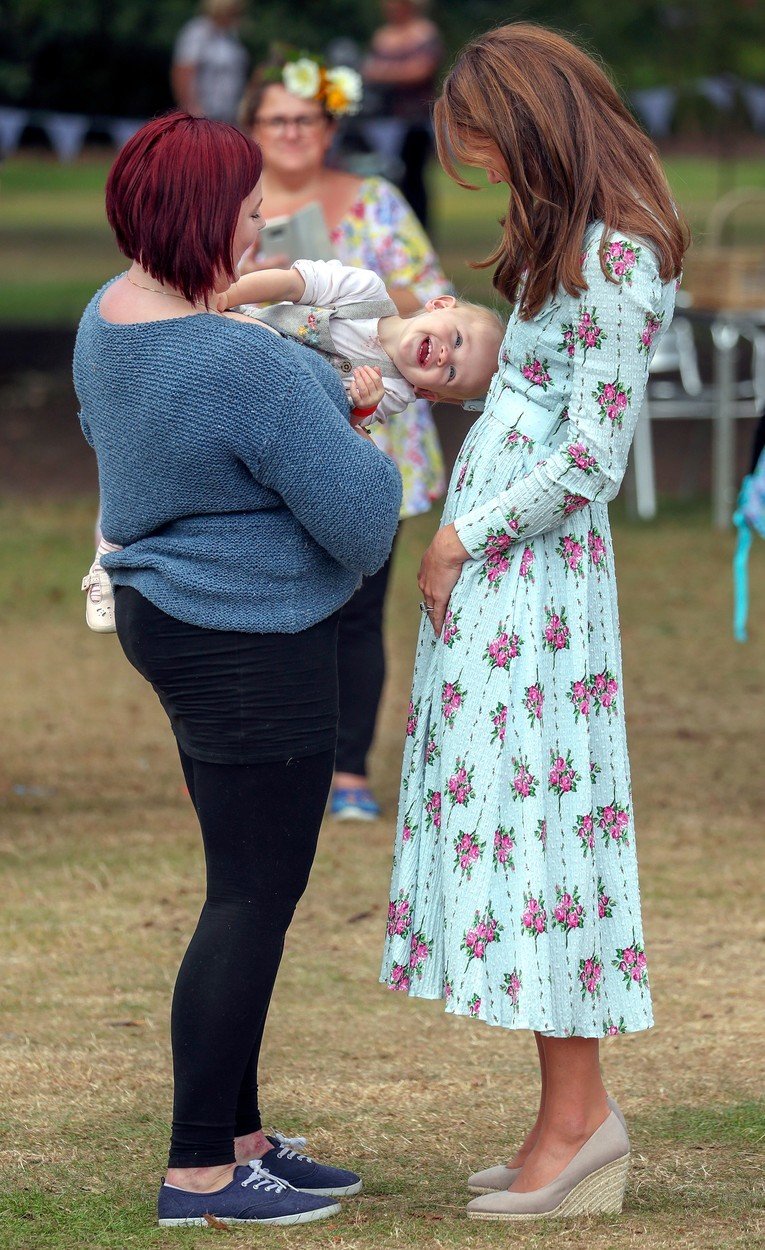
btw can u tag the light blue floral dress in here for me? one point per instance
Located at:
(515, 891)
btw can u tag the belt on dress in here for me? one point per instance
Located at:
(517, 412)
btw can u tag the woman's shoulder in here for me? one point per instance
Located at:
(338, 189)
(243, 341)
(91, 311)
(625, 254)
(377, 198)
(341, 180)
(374, 186)
(620, 265)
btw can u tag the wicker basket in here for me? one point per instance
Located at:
(726, 279)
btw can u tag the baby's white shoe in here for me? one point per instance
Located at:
(99, 599)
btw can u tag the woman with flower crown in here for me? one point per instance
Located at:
(291, 109)
(515, 891)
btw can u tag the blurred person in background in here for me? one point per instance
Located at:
(402, 67)
(371, 226)
(210, 62)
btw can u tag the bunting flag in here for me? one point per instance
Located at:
(719, 91)
(66, 132)
(754, 98)
(12, 122)
(655, 106)
(121, 129)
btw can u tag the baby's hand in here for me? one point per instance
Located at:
(366, 389)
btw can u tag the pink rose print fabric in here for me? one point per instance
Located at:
(515, 895)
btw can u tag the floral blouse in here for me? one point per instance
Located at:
(380, 232)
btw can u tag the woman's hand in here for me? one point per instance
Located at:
(439, 573)
(249, 262)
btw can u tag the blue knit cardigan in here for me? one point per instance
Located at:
(229, 472)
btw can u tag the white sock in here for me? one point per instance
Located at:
(104, 548)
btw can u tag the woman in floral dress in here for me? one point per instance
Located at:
(515, 891)
(371, 226)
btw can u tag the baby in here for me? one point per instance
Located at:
(447, 352)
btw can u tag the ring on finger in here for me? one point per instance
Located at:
(426, 607)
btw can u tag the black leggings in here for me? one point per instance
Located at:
(361, 671)
(255, 716)
(260, 824)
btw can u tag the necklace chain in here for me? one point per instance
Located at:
(154, 290)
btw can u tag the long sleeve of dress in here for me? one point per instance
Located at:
(609, 341)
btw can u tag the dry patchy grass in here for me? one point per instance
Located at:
(101, 885)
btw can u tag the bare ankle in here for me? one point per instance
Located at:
(350, 781)
(575, 1124)
(251, 1146)
(201, 1180)
(530, 1140)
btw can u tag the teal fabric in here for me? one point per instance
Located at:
(515, 890)
(229, 472)
(749, 518)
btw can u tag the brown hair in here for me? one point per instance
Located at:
(250, 103)
(573, 152)
(268, 74)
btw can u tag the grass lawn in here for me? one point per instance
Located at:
(57, 247)
(101, 873)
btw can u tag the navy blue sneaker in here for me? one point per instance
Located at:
(252, 1197)
(304, 1173)
(354, 803)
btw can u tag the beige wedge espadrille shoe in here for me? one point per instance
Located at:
(491, 1179)
(593, 1183)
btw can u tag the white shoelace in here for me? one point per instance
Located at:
(261, 1178)
(296, 1142)
(289, 1147)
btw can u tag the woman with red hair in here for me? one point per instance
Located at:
(515, 890)
(246, 509)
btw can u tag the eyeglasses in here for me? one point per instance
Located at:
(303, 123)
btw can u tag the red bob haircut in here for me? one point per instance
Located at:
(173, 197)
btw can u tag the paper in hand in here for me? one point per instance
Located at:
(303, 234)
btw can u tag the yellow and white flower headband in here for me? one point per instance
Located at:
(338, 90)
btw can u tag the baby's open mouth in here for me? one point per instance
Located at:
(423, 355)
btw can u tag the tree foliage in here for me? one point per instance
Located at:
(112, 56)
